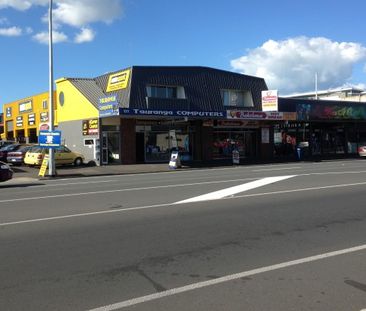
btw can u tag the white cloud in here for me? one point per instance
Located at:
(21, 5)
(76, 13)
(86, 35)
(290, 65)
(57, 37)
(80, 13)
(11, 32)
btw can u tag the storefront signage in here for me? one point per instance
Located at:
(44, 116)
(308, 112)
(118, 81)
(19, 122)
(31, 119)
(108, 106)
(49, 139)
(173, 113)
(260, 115)
(270, 100)
(8, 112)
(90, 127)
(26, 106)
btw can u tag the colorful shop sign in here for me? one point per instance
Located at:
(260, 115)
(108, 106)
(118, 81)
(90, 127)
(270, 100)
(306, 112)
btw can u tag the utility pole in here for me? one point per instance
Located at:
(51, 167)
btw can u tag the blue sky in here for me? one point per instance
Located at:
(283, 41)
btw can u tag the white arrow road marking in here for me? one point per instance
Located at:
(236, 189)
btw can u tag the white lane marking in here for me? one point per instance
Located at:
(227, 278)
(216, 195)
(123, 190)
(278, 169)
(172, 204)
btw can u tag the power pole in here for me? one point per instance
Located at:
(52, 167)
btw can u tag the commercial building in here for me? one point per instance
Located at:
(339, 94)
(23, 118)
(140, 114)
(324, 129)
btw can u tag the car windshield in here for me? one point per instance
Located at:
(10, 148)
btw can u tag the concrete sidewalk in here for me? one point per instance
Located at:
(85, 171)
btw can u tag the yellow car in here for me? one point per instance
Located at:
(63, 155)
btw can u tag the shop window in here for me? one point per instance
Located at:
(235, 98)
(172, 92)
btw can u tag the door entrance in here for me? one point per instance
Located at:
(111, 147)
(140, 147)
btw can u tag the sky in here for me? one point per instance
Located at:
(284, 41)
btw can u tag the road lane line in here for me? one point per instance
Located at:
(174, 204)
(227, 278)
(216, 195)
(123, 190)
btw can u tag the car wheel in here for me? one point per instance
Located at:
(78, 161)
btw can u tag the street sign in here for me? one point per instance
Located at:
(49, 139)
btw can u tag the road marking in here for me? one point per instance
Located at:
(172, 204)
(216, 195)
(122, 190)
(227, 278)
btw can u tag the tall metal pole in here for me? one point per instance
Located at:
(51, 167)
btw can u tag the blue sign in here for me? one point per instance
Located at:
(108, 106)
(49, 139)
(172, 113)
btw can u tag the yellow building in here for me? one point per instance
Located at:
(24, 118)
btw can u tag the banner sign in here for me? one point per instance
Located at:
(118, 81)
(108, 106)
(173, 113)
(43, 169)
(48, 139)
(31, 119)
(270, 100)
(261, 115)
(26, 106)
(306, 112)
(90, 127)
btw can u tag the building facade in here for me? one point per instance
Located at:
(140, 114)
(23, 118)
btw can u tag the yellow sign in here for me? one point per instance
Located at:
(42, 171)
(118, 81)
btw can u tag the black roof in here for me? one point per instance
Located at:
(201, 85)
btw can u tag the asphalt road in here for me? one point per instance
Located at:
(282, 237)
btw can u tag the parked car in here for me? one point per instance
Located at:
(17, 157)
(4, 151)
(63, 156)
(6, 172)
(4, 143)
(362, 150)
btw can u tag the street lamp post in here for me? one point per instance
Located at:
(51, 169)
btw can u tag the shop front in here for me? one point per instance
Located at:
(322, 129)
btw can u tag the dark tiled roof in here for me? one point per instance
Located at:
(202, 87)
